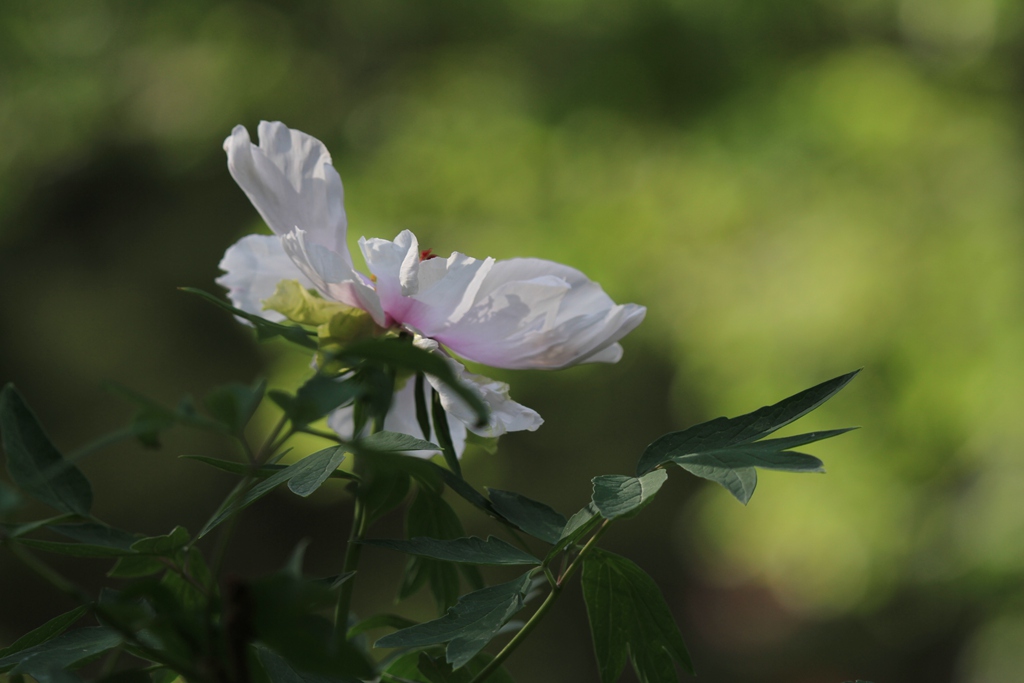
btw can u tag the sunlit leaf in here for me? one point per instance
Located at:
(616, 495)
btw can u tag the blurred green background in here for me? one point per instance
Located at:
(794, 189)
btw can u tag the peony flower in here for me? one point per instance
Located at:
(517, 314)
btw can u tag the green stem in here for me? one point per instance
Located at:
(352, 553)
(549, 601)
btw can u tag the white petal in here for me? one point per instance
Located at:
(505, 414)
(291, 182)
(532, 313)
(401, 418)
(332, 275)
(254, 265)
(395, 265)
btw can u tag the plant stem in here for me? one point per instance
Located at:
(535, 619)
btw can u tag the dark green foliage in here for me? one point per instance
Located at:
(629, 618)
(317, 397)
(533, 517)
(724, 449)
(265, 329)
(51, 629)
(67, 650)
(424, 667)
(234, 404)
(9, 499)
(430, 516)
(469, 625)
(278, 670)
(260, 472)
(35, 464)
(444, 436)
(303, 478)
(471, 550)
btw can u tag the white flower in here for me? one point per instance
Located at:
(519, 313)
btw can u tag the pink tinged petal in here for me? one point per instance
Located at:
(401, 418)
(395, 265)
(291, 182)
(447, 290)
(532, 313)
(254, 265)
(332, 275)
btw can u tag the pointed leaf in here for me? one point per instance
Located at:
(312, 476)
(471, 550)
(316, 467)
(533, 517)
(725, 432)
(414, 668)
(629, 618)
(234, 404)
(392, 442)
(51, 629)
(469, 625)
(430, 516)
(616, 495)
(162, 545)
(739, 482)
(278, 670)
(243, 469)
(35, 464)
(64, 651)
(265, 329)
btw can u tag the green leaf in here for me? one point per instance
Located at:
(533, 517)
(629, 618)
(578, 526)
(421, 667)
(722, 432)
(94, 540)
(162, 545)
(35, 464)
(9, 499)
(402, 355)
(135, 566)
(739, 482)
(391, 442)
(471, 550)
(243, 469)
(51, 629)
(379, 621)
(278, 670)
(439, 417)
(64, 651)
(265, 329)
(314, 469)
(234, 404)
(469, 625)
(316, 398)
(429, 515)
(74, 549)
(616, 495)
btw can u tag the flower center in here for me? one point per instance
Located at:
(427, 254)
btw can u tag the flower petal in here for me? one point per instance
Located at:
(291, 182)
(505, 414)
(401, 418)
(532, 313)
(254, 265)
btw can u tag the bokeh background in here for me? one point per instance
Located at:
(794, 189)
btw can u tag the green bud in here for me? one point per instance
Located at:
(302, 306)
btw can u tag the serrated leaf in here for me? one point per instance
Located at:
(533, 517)
(162, 545)
(316, 467)
(278, 670)
(265, 329)
(722, 432)
(629, 618)
(616, 495)
(51, 629)
(471, 550)
(469, 625)
(35, 464)
(64, 651)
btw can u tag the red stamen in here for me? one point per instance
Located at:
(427, 254)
